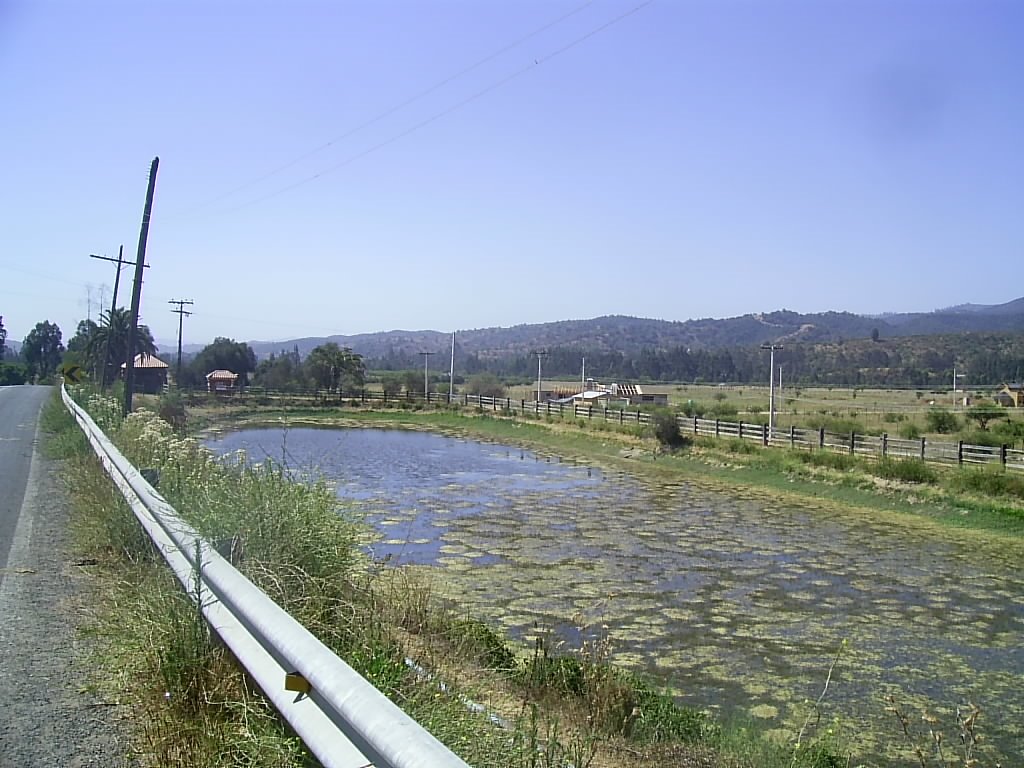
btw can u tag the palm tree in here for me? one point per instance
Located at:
(109, 343)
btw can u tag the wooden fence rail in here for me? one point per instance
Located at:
(797, 438)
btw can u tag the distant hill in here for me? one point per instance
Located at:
(619, 333)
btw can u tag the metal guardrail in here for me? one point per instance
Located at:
(343, 720)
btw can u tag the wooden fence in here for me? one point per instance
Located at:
(878, 446)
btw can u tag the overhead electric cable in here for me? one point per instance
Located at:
(401, 105)
(445, 112)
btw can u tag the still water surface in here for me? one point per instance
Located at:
(733, 603)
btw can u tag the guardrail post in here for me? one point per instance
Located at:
(590, 411)
(718, 428)
(853, 443)
(764, 435)
(622, 415)
(508, 404)
(638, 417)
(696, 427)
(821, 437)
(885, 444)
(1002, 455)
(959, 451)
(792, 436)
(741, 430)
(922, 449)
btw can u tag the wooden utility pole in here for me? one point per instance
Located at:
(140, 261)
(181, 312)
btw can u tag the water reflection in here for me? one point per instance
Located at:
(732, 602)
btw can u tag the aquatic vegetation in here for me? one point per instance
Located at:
(728, 602)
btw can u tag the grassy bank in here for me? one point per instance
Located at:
(195, 707)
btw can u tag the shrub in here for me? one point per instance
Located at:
(836, 424)
(840, 461)
(908, 430)
(172, 410)
(12, 373)
(724, 411)
(907, 470)
(942, 421)
(993, 481)
(692, 409)
(980, 437)
(666, 429)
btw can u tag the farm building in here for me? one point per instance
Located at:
(221, 381)
(1011, 395)
(150, 374)
(635, 395)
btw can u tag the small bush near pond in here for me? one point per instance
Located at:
(907, 470)
(828, 459)
(994, 481)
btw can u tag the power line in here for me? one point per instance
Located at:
(402, 105)
(447, 111)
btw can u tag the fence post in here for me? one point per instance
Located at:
(792, 436)
(638, 417)
(853, 443)
(741, 430)
(717, 428)
(821, 437)
(590, 411)
(696, 429)
(764, 435)
(922, 449)
(885, 444)
(1002, 455)
(622, 415)
(959, 451)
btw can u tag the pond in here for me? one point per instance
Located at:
(734, 604)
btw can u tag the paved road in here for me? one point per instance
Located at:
(45, 718)
(19, 410)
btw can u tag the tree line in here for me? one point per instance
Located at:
(100, 349)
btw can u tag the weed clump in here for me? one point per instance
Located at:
(906, 470)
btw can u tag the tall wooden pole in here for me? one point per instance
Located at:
(140, 261)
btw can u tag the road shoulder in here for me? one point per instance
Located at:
(48, 716)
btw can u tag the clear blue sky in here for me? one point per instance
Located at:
(693, 159)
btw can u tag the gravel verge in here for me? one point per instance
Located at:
(48, 714)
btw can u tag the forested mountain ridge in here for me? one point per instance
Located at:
(630, 335)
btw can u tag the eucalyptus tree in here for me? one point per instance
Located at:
(331, 367)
